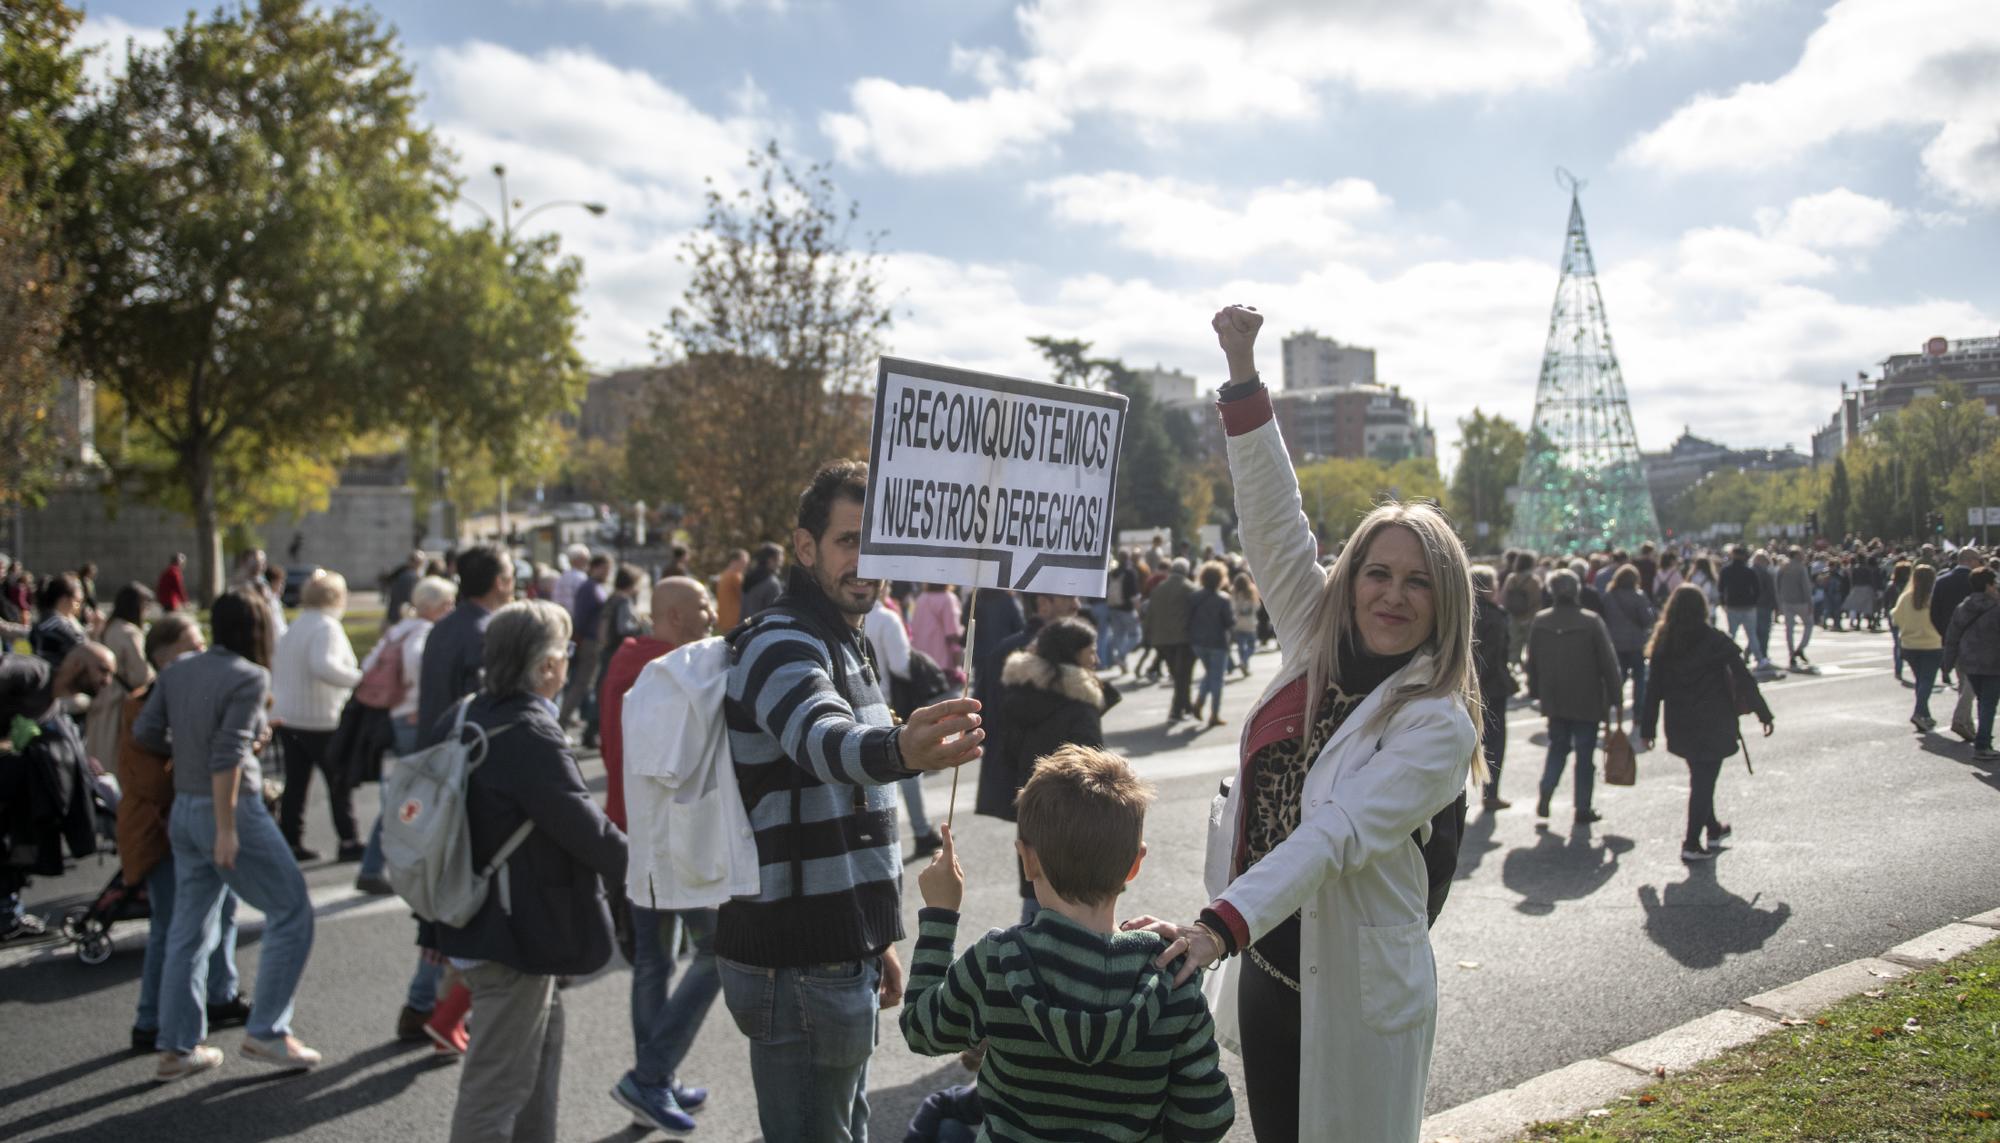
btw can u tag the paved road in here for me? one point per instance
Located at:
(1852, 836)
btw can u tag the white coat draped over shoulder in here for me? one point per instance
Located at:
(1368, 983)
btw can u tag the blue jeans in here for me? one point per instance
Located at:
(811, 1032)
(1765, 616)
(1214, 669)
(1566, 734)
(1116, 637)
(913, 801)
(1987, 690)
(1246, 646)
(423, 992)
(1632, 664)
(1743, 619)
(663, 1023)
(266, 876)
(373, 864)
(222, 976)
(1924, 664)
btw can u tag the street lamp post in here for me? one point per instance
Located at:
(507, 223)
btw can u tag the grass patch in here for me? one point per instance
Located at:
(1918, 1061)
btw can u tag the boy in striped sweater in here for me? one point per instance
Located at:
(1085, 1037)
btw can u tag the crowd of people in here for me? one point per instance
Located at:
(772, 880)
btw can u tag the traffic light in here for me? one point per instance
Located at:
(1937, 523)
(1812, 523)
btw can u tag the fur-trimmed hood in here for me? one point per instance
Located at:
(1027, 669)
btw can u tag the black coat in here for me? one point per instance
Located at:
(1490, 652)
(1042, 708)
(559, 924)
(1695, 685)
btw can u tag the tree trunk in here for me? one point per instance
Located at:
(208, 537)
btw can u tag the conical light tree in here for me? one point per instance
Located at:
(1582, 485)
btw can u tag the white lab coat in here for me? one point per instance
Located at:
(689, 839)
(1367, 978)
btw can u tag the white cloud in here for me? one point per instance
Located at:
(1641, 25)
(109, 39)
(916, 130)
(1840, 219)
(1873, 67)
(1177, 220)
(1155, 64)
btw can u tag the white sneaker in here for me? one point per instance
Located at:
(175, 1066)
(285, 1053)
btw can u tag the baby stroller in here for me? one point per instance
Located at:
(88, 927)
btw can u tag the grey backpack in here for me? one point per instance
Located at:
(425, 840)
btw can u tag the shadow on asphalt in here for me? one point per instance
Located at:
(1699, 923)
(1558, 868)
(1476, 844)
(255, 1102)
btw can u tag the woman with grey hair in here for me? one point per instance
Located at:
(312, 674)
(530, 816)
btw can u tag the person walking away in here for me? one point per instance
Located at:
(544, 915)
(591, 596)
(1703, 576)
(1739, 591)
(124, 635)
(1672, 573)
(207, 712)
(171, 590)
(1367, 731)
(1118, 625)
(1573, 672)
(1949, 591)
(1648, 563)
(765, 581)
(1795, 605)
(1491, 656)
(311, 678)
(1972, 648)
(1211, 621)
(1629, 617)
(401, 582)
(1767, 605)
(1521, 596)
(1168, 611)
(1245, 601)
(664, 1019)
(806, 962)
(431, 599)
(577, 557)
(1697, 675)
(145, 853)
(890, 642)
(1864, 581)
(1095, 1035)
(1923, 646)
(729, 591)
(1051, 698)
(1899, 583)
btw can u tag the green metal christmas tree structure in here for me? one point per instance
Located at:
(1582, 485)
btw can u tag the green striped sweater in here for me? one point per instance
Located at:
(1085, 1038)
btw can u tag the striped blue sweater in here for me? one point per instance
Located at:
(814, 769)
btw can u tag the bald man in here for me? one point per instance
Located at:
(664, 1022)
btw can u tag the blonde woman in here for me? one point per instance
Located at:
(312, 673)
(1367, 730)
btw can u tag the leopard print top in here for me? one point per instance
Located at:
(1278, 771)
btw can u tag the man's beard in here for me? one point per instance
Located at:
(837, 592)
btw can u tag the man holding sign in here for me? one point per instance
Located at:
(805, 963)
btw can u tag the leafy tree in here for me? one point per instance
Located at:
(251, 194)
(772, 352)
(1489, 461)
(1338, 491)
(40, 78)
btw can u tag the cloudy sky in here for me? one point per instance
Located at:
(1780, 192)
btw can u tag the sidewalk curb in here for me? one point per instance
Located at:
(1503, 1116)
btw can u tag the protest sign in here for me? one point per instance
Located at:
(990, 481)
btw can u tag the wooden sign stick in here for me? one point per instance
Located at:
(971, 625)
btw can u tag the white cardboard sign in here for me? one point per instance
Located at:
(989, 481)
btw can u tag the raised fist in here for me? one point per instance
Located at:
(1236, 328)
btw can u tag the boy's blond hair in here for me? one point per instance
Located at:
(1083, 812)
